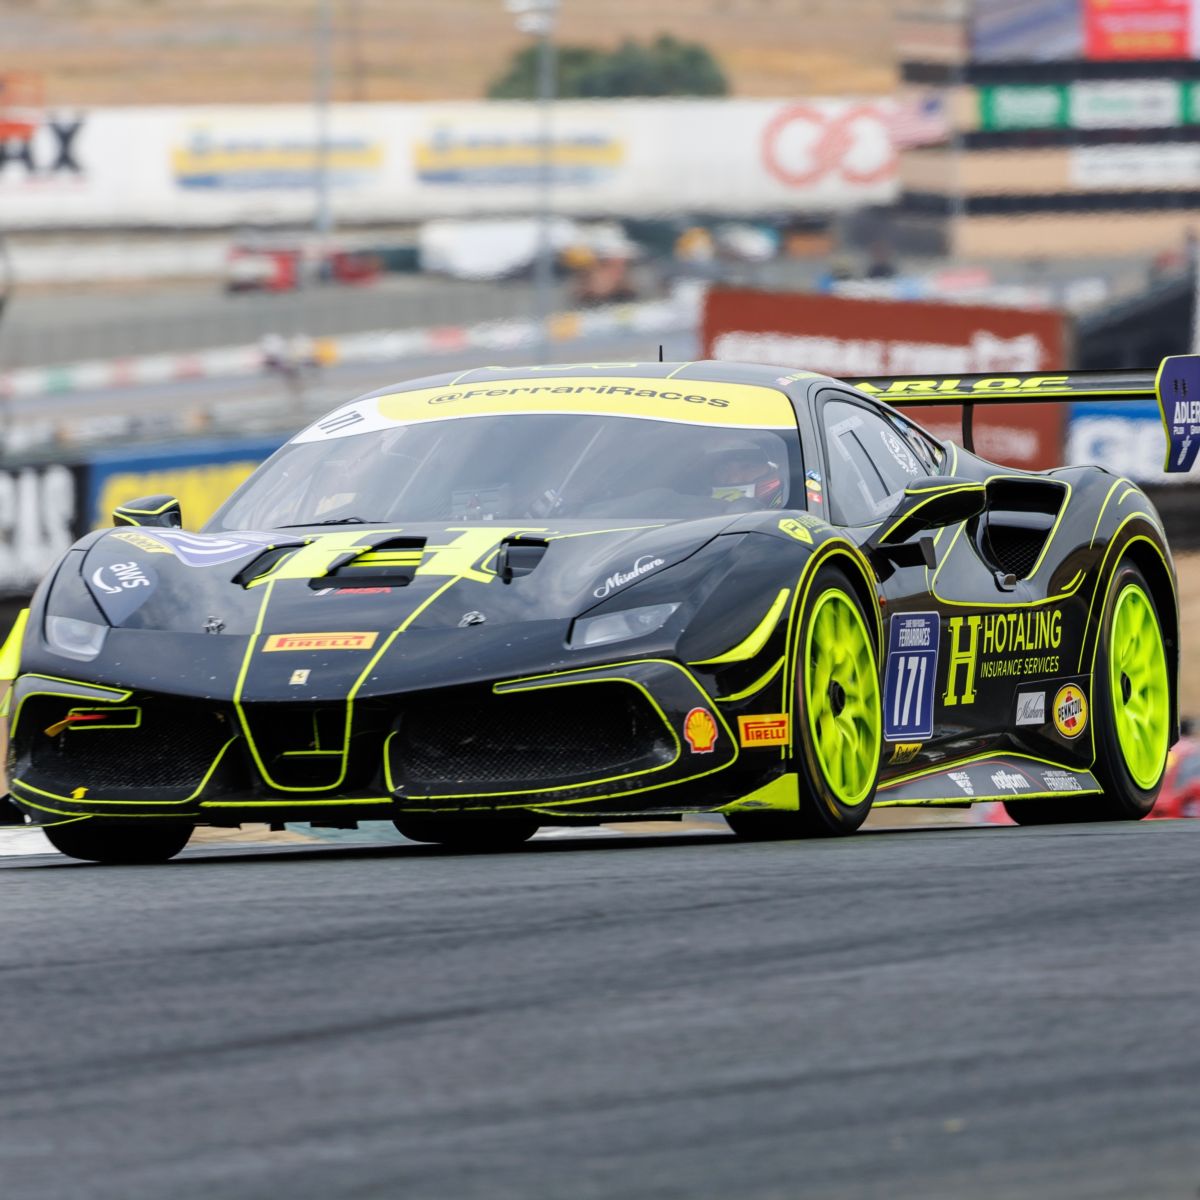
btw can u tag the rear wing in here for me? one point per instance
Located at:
(1174, 387)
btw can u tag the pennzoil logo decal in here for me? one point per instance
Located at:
(773, 729)
(1070, 711)
(320, 641)
(700, 730)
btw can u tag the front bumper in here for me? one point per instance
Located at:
(620, 739)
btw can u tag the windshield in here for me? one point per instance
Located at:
(518, 466)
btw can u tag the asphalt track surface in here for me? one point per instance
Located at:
(960, 1012)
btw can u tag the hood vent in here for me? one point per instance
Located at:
(389, 562)
(519, 556)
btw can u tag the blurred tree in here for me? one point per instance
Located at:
(664, 67)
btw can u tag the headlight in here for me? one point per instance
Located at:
(75, 638)
(619, 626)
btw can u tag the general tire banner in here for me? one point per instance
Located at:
(851, 338)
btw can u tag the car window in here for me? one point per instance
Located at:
(514, 467)
(928, 452)
(870, 462)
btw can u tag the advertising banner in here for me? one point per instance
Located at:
(1125, 29)
(1126, 439)
(1108, 104)
(850, 338)
(227, 165)
(1100, 30)
(40, 516)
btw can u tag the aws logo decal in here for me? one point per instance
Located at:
(998, 645)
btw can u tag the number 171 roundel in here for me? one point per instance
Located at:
(910, 677)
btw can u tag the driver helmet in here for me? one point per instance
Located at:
(743, 470)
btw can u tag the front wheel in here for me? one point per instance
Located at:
(837, 722)
(468, 832)
(131, 842)
(1131, 704)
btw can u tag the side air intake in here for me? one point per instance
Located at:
(1020, 518)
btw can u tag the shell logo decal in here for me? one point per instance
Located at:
(700, 730)
(1070, 711)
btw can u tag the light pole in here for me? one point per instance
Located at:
(538, 17)
(322, 89)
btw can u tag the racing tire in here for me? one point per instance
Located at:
(132, 843)
(1131, 711)
(480, 834)
(837, 724)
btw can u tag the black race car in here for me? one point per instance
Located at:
(477, 604)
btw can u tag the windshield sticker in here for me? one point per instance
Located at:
(618, 579)
(812, 487)
(728, 405)
(900, 452)
(910, 677)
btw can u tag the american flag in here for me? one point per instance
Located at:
(920, 121)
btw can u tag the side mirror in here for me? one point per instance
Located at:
(930, 504)
(161, 511)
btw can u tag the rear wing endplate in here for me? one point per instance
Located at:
(1174, 387)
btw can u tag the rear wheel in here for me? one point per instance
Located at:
(131, 842)
(469, 832)
(837, 726)
(1131, 709)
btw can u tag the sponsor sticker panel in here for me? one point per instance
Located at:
(988, 779)
(1070, 711)
(910, 677)
(771, 729)
(1031, 708)
(319, 641)
(700, 731)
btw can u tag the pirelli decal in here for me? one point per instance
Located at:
(320, 641)
(770, 730)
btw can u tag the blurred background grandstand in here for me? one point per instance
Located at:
(218, 217)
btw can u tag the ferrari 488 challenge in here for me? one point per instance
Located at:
(476, 604)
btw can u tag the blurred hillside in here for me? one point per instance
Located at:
(246, 51)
